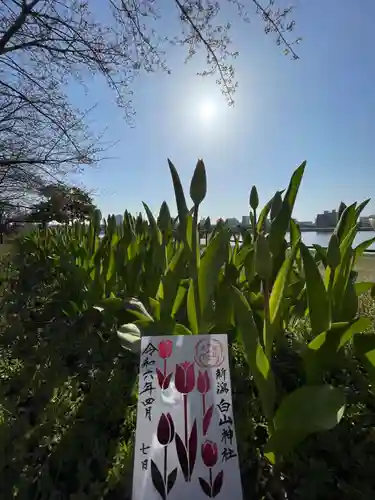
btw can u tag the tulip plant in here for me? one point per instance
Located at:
(165, 351)
(209, 457)
(165, 434)
(152, 277)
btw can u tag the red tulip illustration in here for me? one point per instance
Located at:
(203, 386)
(165, 351)
(186, 451)
(209, 453)
(165, 434)
(165, 431)
(185, 377)
(184, 380)
(209, 457)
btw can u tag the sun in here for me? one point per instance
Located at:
(207, 110)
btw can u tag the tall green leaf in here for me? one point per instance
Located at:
(321, 353)
(317, 297)
(362, 247)
(305, 411)
(263, 258)
(154, 227)
(259, 364)
(361, 207)
(263, 216)
(211, 263)
(346, 222)
(277, 298)
(276, 204)
(180, 197)
(281, 222)
(170, 282)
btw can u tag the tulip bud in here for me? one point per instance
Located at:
(209, 453)
(165, 349)
(254, 198)
(198, 185)
(164, 219)
(165, 430)
(203, 382)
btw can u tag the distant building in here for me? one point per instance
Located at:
(327, 219)
(245, 221)
(364, 222)
(119, 219)
(232, 222)
(306, 223)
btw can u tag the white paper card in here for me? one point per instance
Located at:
(185, 446)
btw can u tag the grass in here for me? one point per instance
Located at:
(366, 267)
(68, 410)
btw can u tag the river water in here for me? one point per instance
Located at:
(322, 239)
(311, 237)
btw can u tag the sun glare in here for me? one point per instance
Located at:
(207, 110)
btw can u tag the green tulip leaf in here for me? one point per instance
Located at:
(280, 224)
(258, 362)
(333, 252)
(362, 247)
(263, 258)
(305, 411)
(321, 354)
(211, 262)
(317, 297)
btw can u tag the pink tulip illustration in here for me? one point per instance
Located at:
(210, 456)
(186, 451)
(165, 352)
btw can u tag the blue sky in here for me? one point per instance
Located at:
(320, 108)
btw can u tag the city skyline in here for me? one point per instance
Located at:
(363, 218)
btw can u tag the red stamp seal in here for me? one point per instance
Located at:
(209, 353)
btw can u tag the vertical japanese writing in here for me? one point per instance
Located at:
(226, 416)
(144, 460)
(146, 380)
